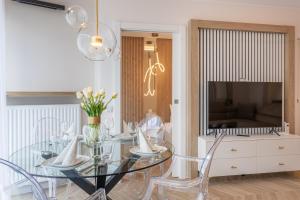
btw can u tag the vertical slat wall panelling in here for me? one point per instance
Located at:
(132, 78)
(235, 55)
(164, 80)
(22, 119)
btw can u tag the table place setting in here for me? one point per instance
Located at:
(68, 158)
(145, 148)
(129, 133)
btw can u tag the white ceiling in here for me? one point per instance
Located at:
(284, 3)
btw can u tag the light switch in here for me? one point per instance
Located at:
(176, 101)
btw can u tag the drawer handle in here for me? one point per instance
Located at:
(281, 147)
(234, 150)
(281, 164)
(234, 167)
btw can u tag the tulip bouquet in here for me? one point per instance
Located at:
(93, 103)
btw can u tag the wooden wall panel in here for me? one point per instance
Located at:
(164, 80)
(132, 78)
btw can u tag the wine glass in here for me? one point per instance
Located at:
(106, 151)
(108, 125)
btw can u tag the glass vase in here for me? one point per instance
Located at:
(92, 133)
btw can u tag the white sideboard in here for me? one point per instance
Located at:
(238, 155)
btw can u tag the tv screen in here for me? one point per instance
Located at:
(244, 105)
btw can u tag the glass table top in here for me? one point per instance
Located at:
(30, 158)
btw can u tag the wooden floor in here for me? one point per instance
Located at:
(266, 187)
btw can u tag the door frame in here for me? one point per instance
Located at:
(179, 80)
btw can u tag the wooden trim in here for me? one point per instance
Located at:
(39, 94)
(289, 80)
(197, 24)
(194, 72)
(194, 76)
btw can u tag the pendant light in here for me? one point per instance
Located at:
(96, 43)
(77, 17)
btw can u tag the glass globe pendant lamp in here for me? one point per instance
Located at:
(96, 43)
(77, 17)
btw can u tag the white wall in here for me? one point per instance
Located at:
(3, 141)
(179, 12)
(41, 50)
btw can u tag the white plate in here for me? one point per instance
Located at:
(156, 150)
(80, 160)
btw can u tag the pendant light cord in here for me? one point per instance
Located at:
(97, 17)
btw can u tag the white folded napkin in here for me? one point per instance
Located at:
(68, 156)
(126, 128)
(69, 133)
(144, 146)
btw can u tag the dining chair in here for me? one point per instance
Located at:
(19, 184)
(197, 186)
(151, 121)
(98, 195)
(56, 131)
(153, 129)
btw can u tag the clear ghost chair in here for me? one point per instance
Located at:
(153, 129)
(18, 184)
(151, 121)
(58, 132)
(197, 186)
(98, 195)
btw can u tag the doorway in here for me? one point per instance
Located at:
(179, 82)
(146, 77)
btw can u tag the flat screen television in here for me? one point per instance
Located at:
(244, 105)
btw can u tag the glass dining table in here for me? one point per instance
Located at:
(88, 175)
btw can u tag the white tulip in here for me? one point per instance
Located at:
(101, 91)
(114, 96)
(79, 95)
(85, 92)
(98, 94)
(90, 89)
(89, 92)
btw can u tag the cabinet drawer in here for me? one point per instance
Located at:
(278, 163)
(278, 147)
(235, 149)
(227, 167)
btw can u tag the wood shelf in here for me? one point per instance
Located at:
(39, 94)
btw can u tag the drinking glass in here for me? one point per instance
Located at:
(106, 151)
(134, 127)
(108, 125)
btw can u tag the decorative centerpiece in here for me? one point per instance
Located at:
(93, 103)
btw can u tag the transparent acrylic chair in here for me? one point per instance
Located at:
(153, 128)
(58, 132)
(197, 186)
(98, 195)
(19, 185)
